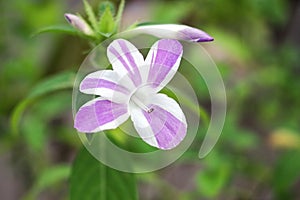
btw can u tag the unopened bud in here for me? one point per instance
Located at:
(79, 23)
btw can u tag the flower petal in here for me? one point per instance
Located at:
(106, 83)
(164, 127)
(163, 61)
(174, 31)
(126, 59)
(100, 114)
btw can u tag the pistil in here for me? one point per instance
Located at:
(140, 104)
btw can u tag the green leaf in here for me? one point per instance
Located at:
(147, 23)
(49, 178)
(91, 180)
(55, 83)
(210, 183)
(91, 15)
(119, 14)
(107, 24)
(132, 26)
(287, 173)
(35, 128)
(35, 133)
(57, 29)
(102, 8)
(214, 177)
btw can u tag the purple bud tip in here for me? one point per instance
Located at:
(196, 35)
(208, 39)
(67, 18)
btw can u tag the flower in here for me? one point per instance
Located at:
(174, 31)
(131, 90)
(79, 24)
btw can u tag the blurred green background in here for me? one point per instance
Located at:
(257, 50)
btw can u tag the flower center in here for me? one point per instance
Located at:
(134, 99)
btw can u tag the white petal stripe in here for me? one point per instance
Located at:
(126, 59)
(163, 60)
(105, 83)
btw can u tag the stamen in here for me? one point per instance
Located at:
(150, 110)
(140, 104)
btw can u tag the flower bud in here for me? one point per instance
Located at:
(174, 31)
(79, 24)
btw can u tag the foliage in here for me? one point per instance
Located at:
(255, 51)
(103, 23)
(59, 82)
(90, 179)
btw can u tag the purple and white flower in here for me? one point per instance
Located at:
(131, 90)
(174, 31)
